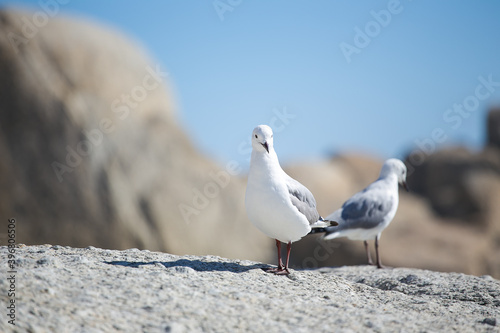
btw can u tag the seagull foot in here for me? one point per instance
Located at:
(282, 272)
(278, 271)
(275, 270)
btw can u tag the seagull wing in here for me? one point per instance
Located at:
(302, 199)
(364, 210)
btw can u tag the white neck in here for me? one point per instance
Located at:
(264, 163)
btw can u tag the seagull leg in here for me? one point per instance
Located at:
(379, 262)
(280, 267)
(285, 271)
(370, 261)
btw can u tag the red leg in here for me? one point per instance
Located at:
(285, 271)
(280, 262)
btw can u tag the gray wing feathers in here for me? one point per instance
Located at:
(303, 199)
(360, 212)
(364, 213)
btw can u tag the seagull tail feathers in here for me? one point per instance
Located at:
(322, 224)
(330, 223)
(317, 230)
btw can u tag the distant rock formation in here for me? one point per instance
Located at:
(460, 184)
(91, 152)
(464, 185)
(493, 128)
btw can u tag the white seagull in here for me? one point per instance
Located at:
(367, 213)
(277, 204)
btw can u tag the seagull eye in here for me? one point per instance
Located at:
(256, 136)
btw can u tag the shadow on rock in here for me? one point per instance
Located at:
(197, 265)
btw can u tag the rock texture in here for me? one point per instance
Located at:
(94, 290)
(92, 153)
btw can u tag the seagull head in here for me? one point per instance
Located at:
(396, 167)
(262, 138)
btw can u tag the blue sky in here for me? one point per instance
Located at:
(235, 64)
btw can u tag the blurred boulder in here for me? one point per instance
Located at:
(461, 184)
(493, 128)
(92, 153)
(458, 182)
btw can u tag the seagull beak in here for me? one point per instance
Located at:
(406, 186)
(265, 146)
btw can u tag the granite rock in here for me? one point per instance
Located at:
(95, 290)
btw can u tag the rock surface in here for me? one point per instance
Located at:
(93, 290)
